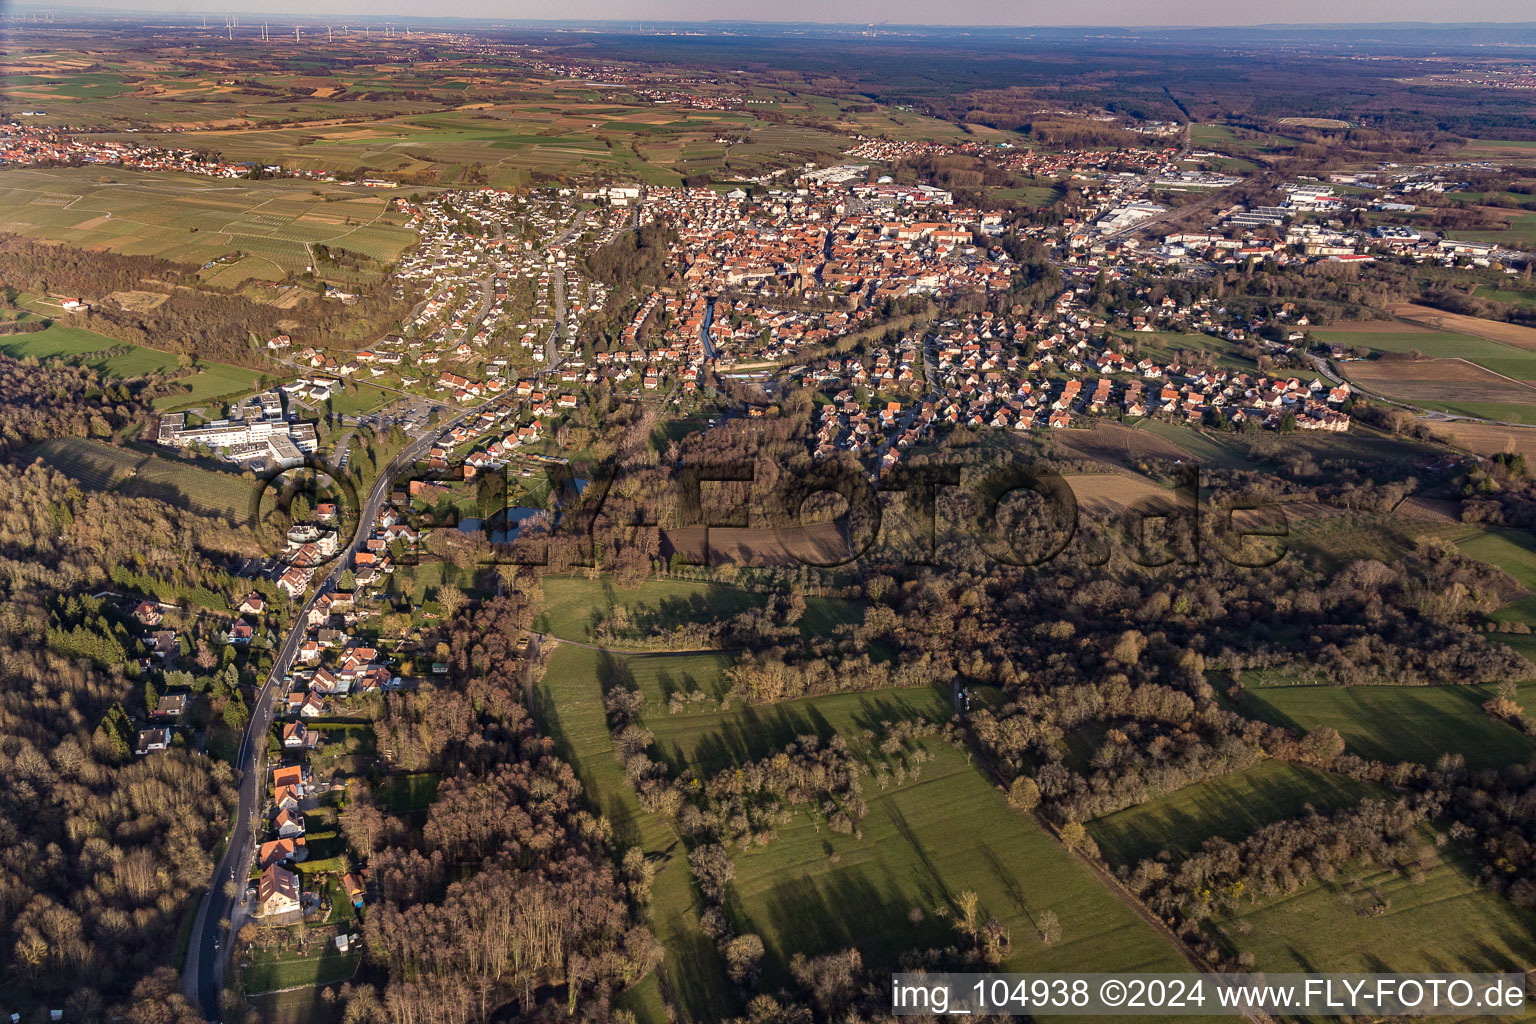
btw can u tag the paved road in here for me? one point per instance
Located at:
(203, 977)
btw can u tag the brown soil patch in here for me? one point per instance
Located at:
(1428, 510)
(1371, 327)
(1493, 330)
(1118, 445)
(1440, 380)
(138, 302)
(1109, 494)
(1489, 438)
(815, 544)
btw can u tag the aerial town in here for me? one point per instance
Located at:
(685, 522)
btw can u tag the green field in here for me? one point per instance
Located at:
(1520, 234)
(817, 892)
(106, 467)
(1397, 723)
(212, 381)
(1506, 359)
(924, 842)
(58, 341)
(712, 740)
(1223, 139)
(1509, 550)
(406, 793)
(1444, 923)
(300, 1006)
(323, 966)
(1231, 807)
(573, 606)
(568, 705)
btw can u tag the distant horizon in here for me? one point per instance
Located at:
(852, 14)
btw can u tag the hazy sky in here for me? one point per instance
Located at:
(929, 12)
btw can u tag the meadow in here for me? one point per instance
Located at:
(1518, 232)
(923, 843)
(574, 606)
(1397, 723)
(1445, 922)
(71, 344)
(816, 892)
(210, 382)
(1223, 139)
(105, 467)
(1229, 807)
(568, 705)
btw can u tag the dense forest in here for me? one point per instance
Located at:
(107, 852)
(512, 888)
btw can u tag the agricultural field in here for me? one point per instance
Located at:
(1488, 438)
(814, 892)
(545, 127)
(1396, 723)
(1230, 807)
(1223, 139)
(78, 345)
(1491, 355)
(1478, 327)
(196, 220)
(568, 705)
(1108, 494)
(1518, 231)
(1122, 445)
(702, 735)
(574, 606)
(1447, 385)
(98, 467)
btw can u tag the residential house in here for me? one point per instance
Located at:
(278, 892)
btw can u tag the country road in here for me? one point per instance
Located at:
(207, 950)
(203, 976)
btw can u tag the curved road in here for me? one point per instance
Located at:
(203, 976)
